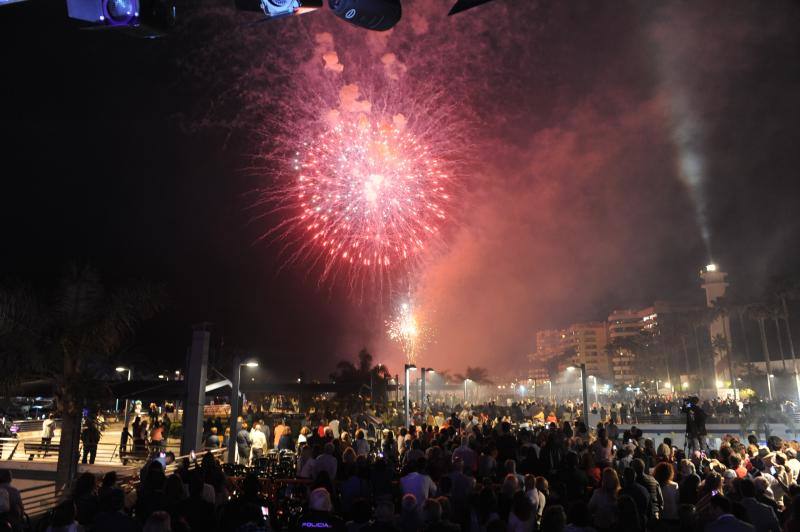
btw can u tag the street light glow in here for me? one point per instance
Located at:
(121, 369)
(711, 268)
(252, 364)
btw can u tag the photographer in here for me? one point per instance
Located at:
(695, 425)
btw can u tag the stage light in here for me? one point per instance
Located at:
(378, 15)
(711, 268)
(105, 12)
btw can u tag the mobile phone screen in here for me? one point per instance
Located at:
(265, 511)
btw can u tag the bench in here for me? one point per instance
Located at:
(39, 449)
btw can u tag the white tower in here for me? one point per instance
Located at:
(715, 285)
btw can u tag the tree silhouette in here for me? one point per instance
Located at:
(67, 337)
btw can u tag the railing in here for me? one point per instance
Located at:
(722, 419)
(106, 452)
(39, 500)
(8, 448)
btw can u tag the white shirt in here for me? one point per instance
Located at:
(420, 486)
(325, 462)
(259, 441)
(48, 428)
(334, 426)
(361, 447)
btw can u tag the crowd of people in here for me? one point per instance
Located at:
(479, 469)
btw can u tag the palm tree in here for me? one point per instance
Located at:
(84, 322)
(364, 373)
(760, 313)
(788, 289)
(477, 375)
(722, 343)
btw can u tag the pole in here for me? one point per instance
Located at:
(408, 390)
(765, 347)
(585, 397)
(422, 391)
(237, 373)
(127, 402)
(595, 388)
(195, 383)
(396, 390)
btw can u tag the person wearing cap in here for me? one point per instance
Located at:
(319, 515)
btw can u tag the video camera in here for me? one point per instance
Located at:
(690, 403)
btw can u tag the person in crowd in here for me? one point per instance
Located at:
(722, 520)
(320, 514)
(361, 444)
(48, 431)
(663, 473)
(603, 503)
(243, 442)
(760, 515)
(16, 508)
(213, 440)
(158, 522)
(326, 462)
(417, 482)
(113, 517)
(63, 518)
(258, 442)
(90, 437)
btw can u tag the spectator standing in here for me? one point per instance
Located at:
(48, 431)
(603, 503)
(243, 444)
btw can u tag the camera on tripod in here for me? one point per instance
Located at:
(690, 404)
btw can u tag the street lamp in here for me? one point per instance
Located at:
(121, 369)
(422, 386)
(237, 376)
(585, 393)
(594, 378)
(408, 368)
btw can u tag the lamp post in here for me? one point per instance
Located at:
(465, 391)
(408, 368)
(422, 386)
(122, 369)
(594, 379)
(237, 375)
(582, 367)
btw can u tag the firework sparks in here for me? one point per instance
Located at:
(409, 331)
(365, 200)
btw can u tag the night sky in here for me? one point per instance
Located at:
(604, 140)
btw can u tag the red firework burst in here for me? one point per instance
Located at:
(366, 199)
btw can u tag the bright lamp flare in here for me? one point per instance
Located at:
(407, 330)
(366, 200)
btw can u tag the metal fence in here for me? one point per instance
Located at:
(40, 499)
